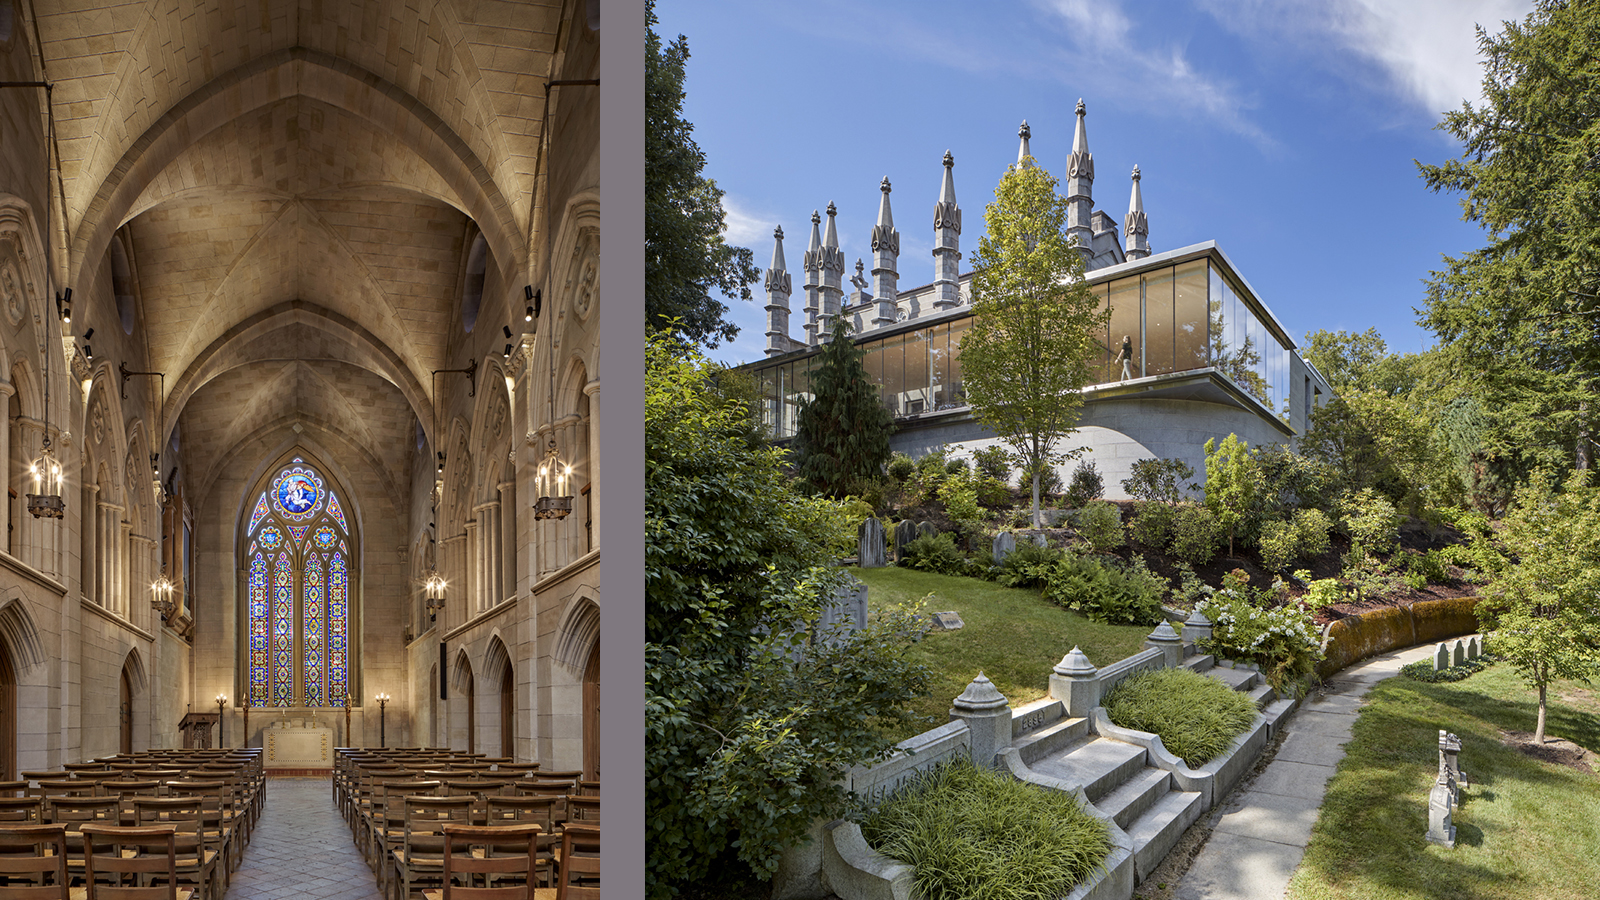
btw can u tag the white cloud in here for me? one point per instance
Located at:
(1104, 48)
(746, 227)
(1426, 51)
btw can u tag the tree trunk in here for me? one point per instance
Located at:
(1538, 731)
(1037, 522)
(1582, 456)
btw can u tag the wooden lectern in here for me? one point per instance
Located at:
(196, 728)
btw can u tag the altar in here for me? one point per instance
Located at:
(298, 744)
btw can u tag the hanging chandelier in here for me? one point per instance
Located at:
(434, 586)
(161, 596)
(552, 486)
(45, 501)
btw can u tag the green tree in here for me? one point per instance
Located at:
(1523, 312)
(1543, 612)
(1231, 483)
(1026, 357)
(1361, 362)
(685, 255)
(842, 436)
(750, 723)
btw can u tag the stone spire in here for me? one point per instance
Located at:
(1023, 154)
(779, 287)
(947, 239)
(813, 265)
(1135, 226)
(831, 261)
(885, 254)
(1080, 189)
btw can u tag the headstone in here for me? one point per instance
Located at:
(1441, 658)
(905, 531)
(1450, 761)
(846, 613)
(1005, 543)
(870, 544)
(926, 530)
(1440, 829)
(947, 621)
(1036, 538)
(1475, 646)
(1458, 652)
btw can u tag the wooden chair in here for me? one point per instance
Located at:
(588, 789)
(136, 854)
(420, 858)
(197, 845)
(16, 811)
(496, 853)
(29, 853)
(13, 788)
(216, 808)
(521, 810)
(386, 826)
(76, 812)
(583, 811)
(578, 864)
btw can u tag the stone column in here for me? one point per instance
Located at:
(593, 390)
(6, 466)
(124, 570)
(474, 565)
(509, 585)
(1076, 681)
(988, 717)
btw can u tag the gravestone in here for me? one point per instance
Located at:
(947, 621)
(845, 613)
(926, 529)
(1445, 794)
(1441, 658)
(1005, 543)
(905, 531)
(1458, 652)
(870, 544)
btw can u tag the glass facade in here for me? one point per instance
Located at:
(1165, 320)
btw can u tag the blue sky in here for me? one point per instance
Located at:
(1285, 131)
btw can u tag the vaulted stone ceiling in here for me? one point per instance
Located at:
(297, 180)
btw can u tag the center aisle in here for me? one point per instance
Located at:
(302, 849)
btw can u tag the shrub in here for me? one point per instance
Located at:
(933, 462)
(1370, 520)
(1086, 485)
(1100, 524)
(1106, 593)
(1028, 566)
(1196, 535)
(1320, 592)
(1367, 574)
(1311, 528)
(901, 467)
(1195, 716)
(1282, 641)
(1422, 670)
(960, 498)
(993, 462)
(1279, 544)
(1151, 524)
(1159, 480)
(935, 554)
(1049, 481)
(971, 833)
(1191, 591)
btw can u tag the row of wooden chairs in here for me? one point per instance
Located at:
(400, 804)
(120, 863)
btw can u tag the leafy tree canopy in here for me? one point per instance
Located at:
(842, 437)
(1523, 312)
(685, 255)
(1026, 357)
(750, 725)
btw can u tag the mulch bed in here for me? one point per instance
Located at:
(1556, 750)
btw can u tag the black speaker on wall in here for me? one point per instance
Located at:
(444, 676)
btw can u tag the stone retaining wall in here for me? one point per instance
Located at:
(1350, 640)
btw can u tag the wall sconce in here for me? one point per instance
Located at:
(552, 485)
(64, 305)
(434, 588)
(161, 597)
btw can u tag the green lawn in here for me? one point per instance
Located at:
(1524, 828)
(1013, 635)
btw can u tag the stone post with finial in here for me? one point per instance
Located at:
(1136, 227)
(947, 242)
(885, 259)
(988, 716)
(1076, 682)
(779, 287)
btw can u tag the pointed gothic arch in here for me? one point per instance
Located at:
(299, 543)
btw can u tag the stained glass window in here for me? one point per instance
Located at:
(298, 590)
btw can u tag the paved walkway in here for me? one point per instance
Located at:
(1262, 832)
(302, 849)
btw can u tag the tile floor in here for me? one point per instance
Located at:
(302, 849)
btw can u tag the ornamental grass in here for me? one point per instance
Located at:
(977, 834)
(1196, 716)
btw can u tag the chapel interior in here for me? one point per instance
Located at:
(298, 321)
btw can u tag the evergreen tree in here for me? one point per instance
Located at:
(842, 436)
(685, 255)
(1523, 312)
(1026, 357)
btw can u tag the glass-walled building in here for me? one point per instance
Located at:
(1179, 314)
